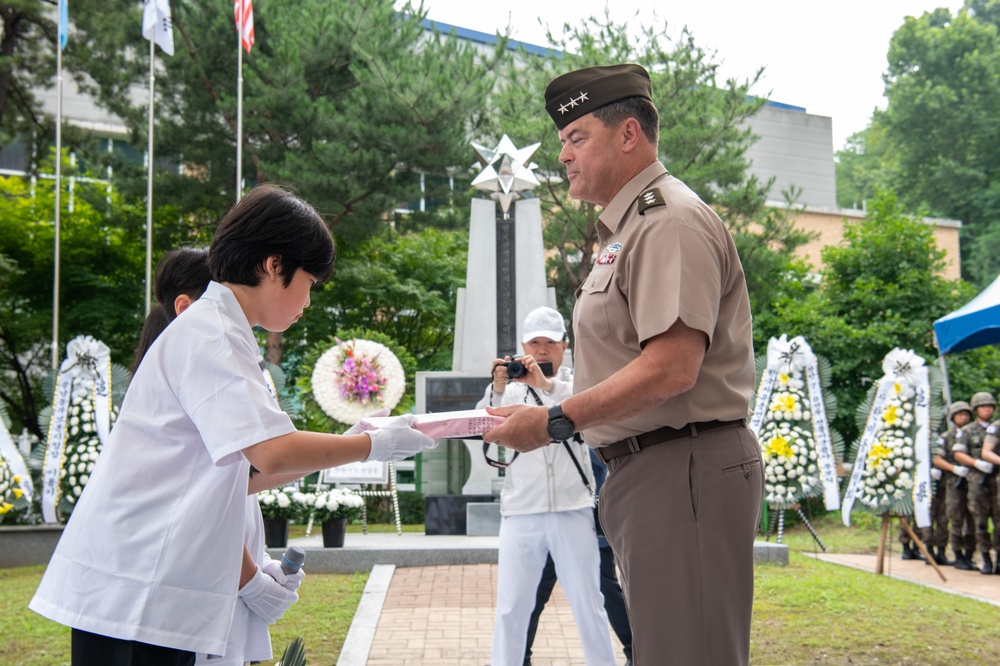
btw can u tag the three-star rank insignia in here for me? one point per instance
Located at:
(649, 199)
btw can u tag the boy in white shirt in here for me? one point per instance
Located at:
(149, 565)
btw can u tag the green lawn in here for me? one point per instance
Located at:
(809, 612)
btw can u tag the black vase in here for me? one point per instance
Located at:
(276, 532)
(334, 530)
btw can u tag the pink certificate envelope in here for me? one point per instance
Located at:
(450, 425)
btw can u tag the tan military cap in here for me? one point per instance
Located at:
(576, 94)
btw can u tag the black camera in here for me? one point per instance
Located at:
(516, 369)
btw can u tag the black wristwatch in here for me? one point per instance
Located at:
(560, 428)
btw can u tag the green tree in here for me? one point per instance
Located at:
(347, 101)
(942, 138)
(882, 288)
(402, 286)
(703, 141)
(101, 287)
(26, 39)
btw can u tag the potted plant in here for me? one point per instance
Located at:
(333, 508)
(279, 506)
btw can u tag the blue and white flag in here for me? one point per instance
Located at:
(63, 23)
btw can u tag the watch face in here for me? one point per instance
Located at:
(560, 429)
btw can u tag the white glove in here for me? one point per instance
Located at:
(935, 473)
(290, 582)
(362, 426)
(961, 470)
(266, 597)
(984, 466)
(398, 439)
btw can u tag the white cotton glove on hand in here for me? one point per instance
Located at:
(290, 582)
(935, 473)
(266, 597)
(961, 470)
(363, 426)
(984, 466)
(397, 439)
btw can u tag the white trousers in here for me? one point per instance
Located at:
(525, 541)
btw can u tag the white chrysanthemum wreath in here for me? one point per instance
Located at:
(356, 377)
(787, 445)
(888, 467)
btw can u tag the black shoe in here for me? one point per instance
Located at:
(908, 552)
(963, 562)
(941, 558)
(997, 570)
(987, 568)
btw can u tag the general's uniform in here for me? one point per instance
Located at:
(982, 489)
(961, 528)
(681, 505)
(153, 549)
(547, 509)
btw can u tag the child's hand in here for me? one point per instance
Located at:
(266, 597)
(362, 426)
(397, 440)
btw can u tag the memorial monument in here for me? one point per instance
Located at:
(505, 279)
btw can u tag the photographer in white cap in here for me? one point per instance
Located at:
(546, 505)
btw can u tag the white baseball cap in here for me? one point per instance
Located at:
(544, 323)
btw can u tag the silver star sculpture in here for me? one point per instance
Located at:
(506, 171)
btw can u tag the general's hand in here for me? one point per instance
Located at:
(525, 429)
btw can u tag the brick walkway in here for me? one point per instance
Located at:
(433, 616)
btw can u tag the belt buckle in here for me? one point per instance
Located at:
(633, 444)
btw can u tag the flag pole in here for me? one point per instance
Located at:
(58, 193)
(149, 178)
(239, 105)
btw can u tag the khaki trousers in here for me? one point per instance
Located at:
(681, 517)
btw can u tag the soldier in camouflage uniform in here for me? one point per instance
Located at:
(982, 480)
(991, 454)
(951, 477)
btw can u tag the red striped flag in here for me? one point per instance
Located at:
(243, 10)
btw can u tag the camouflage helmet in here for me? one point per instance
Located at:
(956, 407)
(983, 398)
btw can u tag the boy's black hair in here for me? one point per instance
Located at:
(270, 221)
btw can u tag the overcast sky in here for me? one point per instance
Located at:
(825, 56)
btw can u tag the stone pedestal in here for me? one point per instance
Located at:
(482, 518)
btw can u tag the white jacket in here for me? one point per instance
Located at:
(545, 479)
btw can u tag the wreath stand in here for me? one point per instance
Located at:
(779, 516)
(883, 536)
(391, 492)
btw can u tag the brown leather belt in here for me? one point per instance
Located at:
(636, 443)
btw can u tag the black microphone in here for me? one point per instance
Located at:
(292, 559)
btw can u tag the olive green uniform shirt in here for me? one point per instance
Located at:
(665, 255)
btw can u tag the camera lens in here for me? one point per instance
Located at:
(516, 369)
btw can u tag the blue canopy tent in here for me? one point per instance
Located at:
(975, 324)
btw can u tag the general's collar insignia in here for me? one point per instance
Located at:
(573, 102)
(614, 247)
(649, 199)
